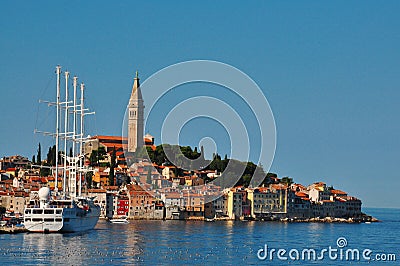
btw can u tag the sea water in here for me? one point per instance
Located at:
(220, 242)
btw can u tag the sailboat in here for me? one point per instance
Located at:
(68, 211)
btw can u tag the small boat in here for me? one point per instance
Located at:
(119, 220)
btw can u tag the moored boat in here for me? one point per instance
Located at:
(119, 220)
(69, 211)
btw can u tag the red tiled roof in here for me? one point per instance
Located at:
(301, 194)
(278, 186)
(112, 145)
(338, 192)
(102, 138)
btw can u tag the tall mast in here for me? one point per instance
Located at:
(73, 181)
(74, 125)
(81, 138)
(58, 71)
(65, 128)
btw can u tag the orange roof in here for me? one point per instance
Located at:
(112, 145)
(278, 186)
(263, 189)
(172, 195)
(301, 194)
(339, 192)
(109, 138)
(134, 187)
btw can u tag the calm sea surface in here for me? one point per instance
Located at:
(226, 243)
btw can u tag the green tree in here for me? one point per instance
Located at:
(96, 156)
(51, 156)
(45, 169)
(33, 159)
(89, 179)
(112, 167)
(39, 155)
(287, 180)
(141, 153)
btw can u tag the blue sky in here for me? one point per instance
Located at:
(330, 71)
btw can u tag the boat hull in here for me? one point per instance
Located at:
(69, 219)
(79, 222)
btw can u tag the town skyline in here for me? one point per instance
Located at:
(331, 81)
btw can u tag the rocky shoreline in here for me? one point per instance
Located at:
(364, 218)
(367, 219)
(12, 230)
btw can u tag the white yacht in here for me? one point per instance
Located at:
(119, 220)
(48, 215)
(68, 211)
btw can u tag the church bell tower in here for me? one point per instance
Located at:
(135, 117)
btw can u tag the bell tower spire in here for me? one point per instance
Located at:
(135, 117)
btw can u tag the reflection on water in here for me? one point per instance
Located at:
(192, 242)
